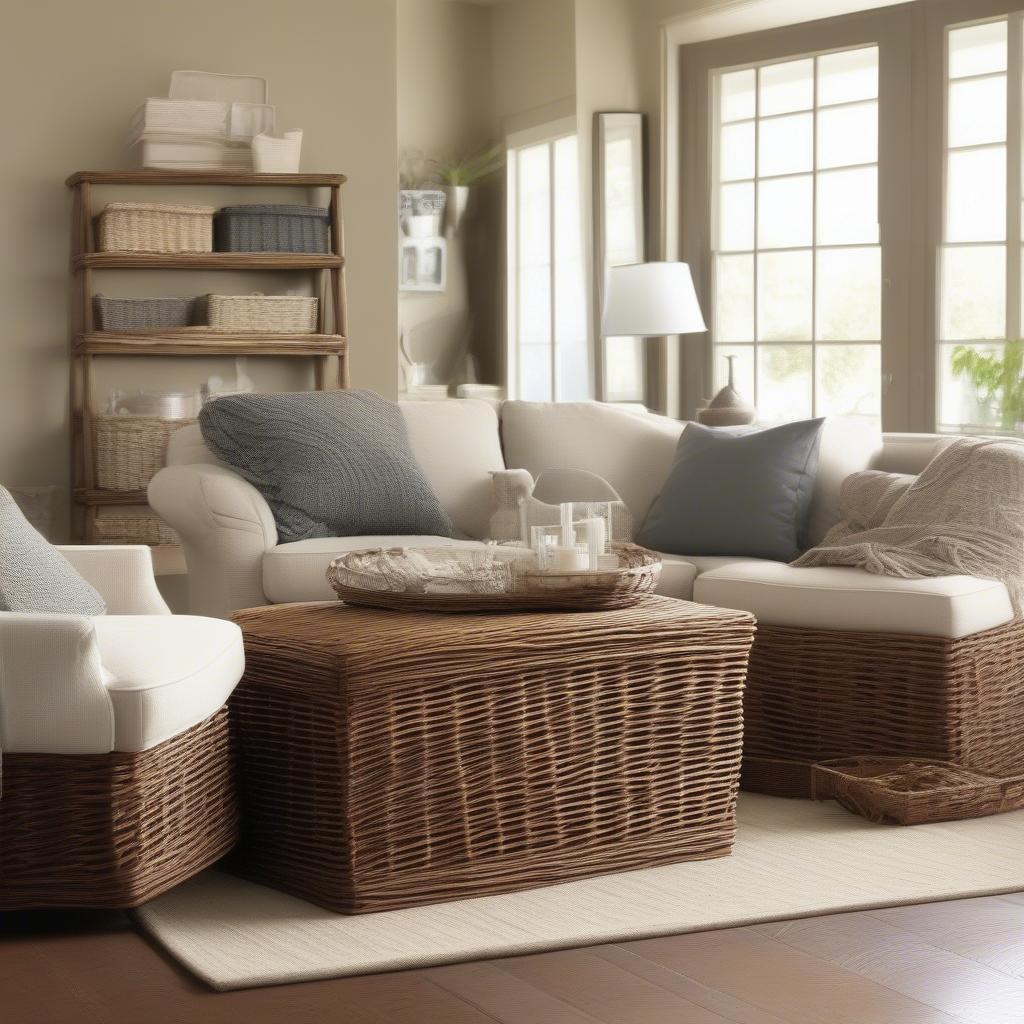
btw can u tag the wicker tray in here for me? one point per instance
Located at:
(899, 791)
(492, 579)
(155, 227)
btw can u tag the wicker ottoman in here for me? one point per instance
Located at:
(390, 759)
(815, 695)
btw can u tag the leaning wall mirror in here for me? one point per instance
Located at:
(619, 237)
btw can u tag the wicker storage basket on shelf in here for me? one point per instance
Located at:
(906, 791)
(262, 314)
(131, 449)
(155, 227)
(132, 525)
(150, 314)
(272, 228)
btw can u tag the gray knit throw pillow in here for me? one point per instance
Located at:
(34, 575)
(329, 463)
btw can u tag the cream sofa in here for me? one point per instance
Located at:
(235, 560)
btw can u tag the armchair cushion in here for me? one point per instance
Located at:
(34, 575)
(166, 673)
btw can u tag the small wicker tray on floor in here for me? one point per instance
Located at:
(390, 578)
(901, 791)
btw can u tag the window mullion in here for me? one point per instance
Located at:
(1014, 80)
(552, 252)
(814, 243)
(756, 268)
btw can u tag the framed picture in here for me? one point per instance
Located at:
(422, 264)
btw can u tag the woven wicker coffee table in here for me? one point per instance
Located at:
(389, 759)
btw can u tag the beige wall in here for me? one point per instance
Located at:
(534, 63)
(445, 112)
(74, 73)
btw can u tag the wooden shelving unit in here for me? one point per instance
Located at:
(87, 344)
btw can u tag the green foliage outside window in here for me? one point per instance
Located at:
(997, 379)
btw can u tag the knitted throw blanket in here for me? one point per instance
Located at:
(964, 515)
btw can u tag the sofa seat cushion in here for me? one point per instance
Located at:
(166, 673)
(679, 572)
(298, 571)
(843, 598)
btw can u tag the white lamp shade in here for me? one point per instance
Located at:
(649, 300)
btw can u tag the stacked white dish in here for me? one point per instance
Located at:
(206, 123)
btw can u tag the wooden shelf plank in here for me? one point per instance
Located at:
(207, 261)
(86, 497)
(194, 343)
(159, 177)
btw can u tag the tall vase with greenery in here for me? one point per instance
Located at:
(460, 173)
(998, 381)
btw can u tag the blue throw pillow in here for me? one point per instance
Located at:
(732, 493)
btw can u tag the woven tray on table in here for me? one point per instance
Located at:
(487, 579)
(901, 791)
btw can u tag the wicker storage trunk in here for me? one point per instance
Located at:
(272, 228)
(392, 759)
(816, 695)
(132, 525)
(130, 450)
(149, 314)
(155, 227)
(262, 314)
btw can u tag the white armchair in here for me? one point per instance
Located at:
(116, 779)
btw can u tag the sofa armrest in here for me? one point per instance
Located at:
(225, 526)
(123, 575)
(52, 696)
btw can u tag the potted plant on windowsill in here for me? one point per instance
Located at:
(460, 174)
(997, 379)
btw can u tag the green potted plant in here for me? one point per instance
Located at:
(998, 381)
(460, 173)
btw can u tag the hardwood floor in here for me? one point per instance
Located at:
(940, 963)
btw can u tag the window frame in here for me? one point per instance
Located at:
(548, 135)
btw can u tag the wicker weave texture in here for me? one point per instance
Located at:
(155, 227)
(115, 830)
(815, 695)
(267, 314)
(147, 314)
(389, 760)
(899, 791)
(272, 228)
(119, 525)
(130, 450)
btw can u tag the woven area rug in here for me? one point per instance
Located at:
(793, 858)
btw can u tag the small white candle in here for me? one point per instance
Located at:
(567, 532)
(567, 558)
(594, 532)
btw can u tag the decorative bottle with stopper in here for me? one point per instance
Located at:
(728, 408)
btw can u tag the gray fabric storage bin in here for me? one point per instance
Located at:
(147, 314)
(271, 228)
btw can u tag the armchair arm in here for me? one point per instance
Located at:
(123, 575)
(52, 695)
(225, 526)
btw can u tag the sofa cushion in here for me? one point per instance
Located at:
(34, 575)
(298, 571)
(679, 572)
(736, 493)
(327, 462)
(457, 446)
(166, 673)
(853, 599)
